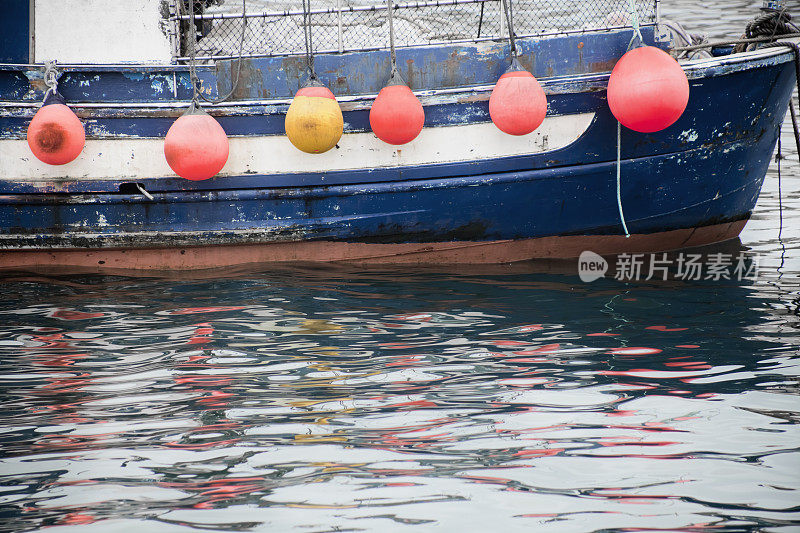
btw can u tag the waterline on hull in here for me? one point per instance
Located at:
(463, 252)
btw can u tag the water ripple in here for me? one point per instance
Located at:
(318, 398)
(325, 398)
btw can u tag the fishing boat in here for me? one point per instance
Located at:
(463, 190)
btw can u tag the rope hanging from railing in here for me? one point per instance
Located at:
(196, 93)
(50, 78)
(510, 23)
(637, 31)
(312, 74)
(192, 54)
(392, 52)
(480, 20)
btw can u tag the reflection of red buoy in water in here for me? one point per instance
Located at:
(518, 104)
(201, 334)
(648, 90)
(396, 116)
(55, 135)
(196, 146)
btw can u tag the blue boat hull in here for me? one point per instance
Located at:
(705, 171)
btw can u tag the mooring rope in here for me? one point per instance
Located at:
(196, 93)
(795, 125)
(778, 158)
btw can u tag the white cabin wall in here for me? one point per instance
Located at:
(101, 31)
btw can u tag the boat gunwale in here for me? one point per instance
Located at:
(571, 84)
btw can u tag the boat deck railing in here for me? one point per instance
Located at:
(273, 28)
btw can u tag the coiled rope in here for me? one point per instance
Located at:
(771, 24)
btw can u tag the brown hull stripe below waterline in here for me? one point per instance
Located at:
(484, 252)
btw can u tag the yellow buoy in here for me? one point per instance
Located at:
(314, 122)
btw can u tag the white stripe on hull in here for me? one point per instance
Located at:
(132, 158)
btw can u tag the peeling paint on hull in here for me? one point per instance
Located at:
(460, 252)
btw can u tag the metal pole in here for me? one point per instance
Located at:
(32, 32)
(175, 30)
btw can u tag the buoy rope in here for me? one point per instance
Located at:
(392, 52)
(51, 75)
(50, 78)
(312, 74)
(195, 80)
(480, 19)
(619, 181)
(637, 31)
(510, 23)
(637, 34)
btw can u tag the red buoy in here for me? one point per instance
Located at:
(56, 135)
(196, 146)
(518, 104)
(396, 116)
(648, 90)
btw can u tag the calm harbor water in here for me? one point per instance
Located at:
(503, 398)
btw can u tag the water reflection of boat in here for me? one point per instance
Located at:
(463, 191)
(158, 393)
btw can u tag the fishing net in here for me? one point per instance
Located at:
(276, 28)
